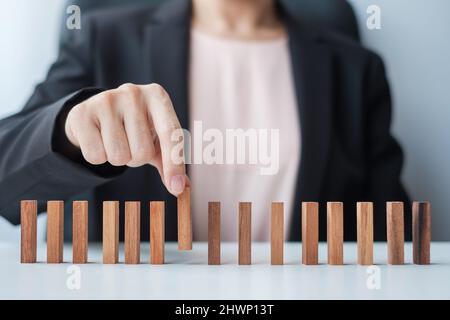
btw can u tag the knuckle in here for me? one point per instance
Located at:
(78, 117)
(106, 97)
(106, 105)
(157, 90)
(131, 90)
(77, 112)
(133, 94)
(127, 86)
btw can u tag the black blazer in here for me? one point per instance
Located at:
(348, 153)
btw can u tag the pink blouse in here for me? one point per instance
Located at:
(244, 85)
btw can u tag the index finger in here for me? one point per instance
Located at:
(167, 126)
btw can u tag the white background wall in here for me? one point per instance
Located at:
(28, 37)
(414, 41)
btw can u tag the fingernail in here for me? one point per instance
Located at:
(177, 184)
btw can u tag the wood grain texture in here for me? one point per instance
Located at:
(395, 232)
(80, 232)
(245, 233)
(364, 232)
(214, 233)
(277, 234)
(421, 232)
(184, 220)
(335, 233)
(110, 232)
(310, 233)
(157, 233)
(55, 231)
(132, 232)
(28, 229)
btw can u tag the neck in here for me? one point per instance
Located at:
(247, 19)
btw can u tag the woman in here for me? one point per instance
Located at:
(131, 77)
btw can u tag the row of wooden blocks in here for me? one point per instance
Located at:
(335, 230)
(55, 230)
(335, 233)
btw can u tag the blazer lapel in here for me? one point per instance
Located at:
(312, 70)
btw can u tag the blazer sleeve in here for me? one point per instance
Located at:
(36, 161)
(385, 156)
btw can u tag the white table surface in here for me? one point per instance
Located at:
(187, 276)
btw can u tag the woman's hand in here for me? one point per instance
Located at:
(129, 126)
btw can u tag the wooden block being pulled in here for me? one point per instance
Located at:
(245, 233)
(421, 232)
(80, 232)
(214, 233)
(310, 233)
(395, 232)
(55, 231)
(335, 233)
(277, 234)
(364, 232)
(184, 220)
(157, 234)
(110, 232)
(28, 229)
(132, 232)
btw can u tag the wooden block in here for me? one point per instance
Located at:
(80, 231)
(110, 232)
(364, 233)
(214, 233)
(310, 233)
(184, 220)
(132, 232)
(395, 232)
(157, 234)
(28, 229)
(335, 233)
(277, 234)
(245, 233)
(55, 231)
(421, 232)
